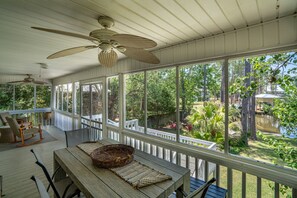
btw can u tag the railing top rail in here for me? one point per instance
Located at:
(13, 112)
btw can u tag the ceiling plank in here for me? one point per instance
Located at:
(250, 11)
(232, 12)
(216, 14)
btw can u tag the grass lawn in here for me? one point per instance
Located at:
(258, 150)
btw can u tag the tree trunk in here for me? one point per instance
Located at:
(245, 106)
(204, 83)
(253, 117)
(244, 119)
(183, 95)
(253, 114)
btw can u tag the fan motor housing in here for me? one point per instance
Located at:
(103, 34)
(106, 21)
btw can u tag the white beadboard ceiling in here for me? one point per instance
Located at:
(168, 22)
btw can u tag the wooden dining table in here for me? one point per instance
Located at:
(100, 182)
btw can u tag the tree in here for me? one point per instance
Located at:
(113, 98)
(134, 92)
(273, 70)
(199, 83)
(6, 97)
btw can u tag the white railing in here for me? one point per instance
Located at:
(133, 125)
(95, 125)
(188, 156)
(37, 116)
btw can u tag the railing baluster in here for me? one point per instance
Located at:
(157, 151)
(171, 156)
(187, 161)
(218, 169)
(178, 161)
(259, 187)
(243, 185)
(229, 182)
(196, 167)
(276, 190)
(144, 145)
(206, 171)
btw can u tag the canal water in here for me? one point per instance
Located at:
(267, 123)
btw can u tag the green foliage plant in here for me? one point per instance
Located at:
(208, 121)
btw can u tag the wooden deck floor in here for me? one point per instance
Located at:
(18, 165)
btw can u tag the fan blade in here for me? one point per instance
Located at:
(108, 59)
(67, 33)
(141, 55)
(15, 82)
(134, 41)
(71, 51)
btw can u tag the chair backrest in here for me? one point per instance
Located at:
(75, 137)
(3, 116)
(14, 126)
(48, 177)
(201, 192)
(40, 187)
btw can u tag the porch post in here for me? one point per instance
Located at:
(34, 107)
(104, 109)
(122, 108)
(73, 105)
(226, 97)
(177, 104)
(13, 104)
(145, 102)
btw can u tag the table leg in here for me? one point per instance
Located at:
(59, 172)
(184, 189)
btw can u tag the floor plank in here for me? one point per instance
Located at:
(18, 165)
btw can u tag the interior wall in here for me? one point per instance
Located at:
(275, 35)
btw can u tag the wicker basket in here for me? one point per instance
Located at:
(111, 156)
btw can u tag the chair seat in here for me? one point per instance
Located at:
(62, 185)
(213, 191)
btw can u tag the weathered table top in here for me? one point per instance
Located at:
(99, 182)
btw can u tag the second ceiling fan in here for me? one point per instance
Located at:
(108, 41)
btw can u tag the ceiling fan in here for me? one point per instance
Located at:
(108, 42)
(28, 80)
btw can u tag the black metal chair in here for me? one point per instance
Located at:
(40, 187)
(1, 180)
(78, 136)
(199, 192)
(62, 188)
